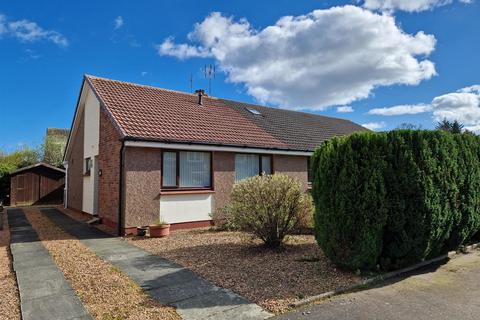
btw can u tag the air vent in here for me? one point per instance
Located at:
(254, 111)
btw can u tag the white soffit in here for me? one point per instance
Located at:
(199, 147)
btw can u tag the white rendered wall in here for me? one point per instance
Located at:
(186, 207)
(90, 148)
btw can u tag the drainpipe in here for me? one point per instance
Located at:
(65, 190)
(120, 190)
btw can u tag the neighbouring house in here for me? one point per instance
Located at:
(137, 153)
(38, 184)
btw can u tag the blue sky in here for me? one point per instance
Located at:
(420, 57)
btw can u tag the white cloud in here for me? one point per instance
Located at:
(462, 105)
(327, 57)
(144, 73)
(401, 110)
(118, 22)
(28, 31)
(180, 51)
(407, 5)
(344, 109)
(375, 125)
(471, 89)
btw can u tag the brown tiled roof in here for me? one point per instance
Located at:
(299, 130)
(154, 114)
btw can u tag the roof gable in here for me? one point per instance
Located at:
(37, 165)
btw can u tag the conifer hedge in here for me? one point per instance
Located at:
(392, 199)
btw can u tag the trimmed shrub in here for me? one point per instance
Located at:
(270, 207)
(393, 199)
(350, 231)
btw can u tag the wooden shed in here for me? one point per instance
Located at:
(37, 184)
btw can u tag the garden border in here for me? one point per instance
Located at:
(389, 275)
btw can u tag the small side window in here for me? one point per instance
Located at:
(88, 166)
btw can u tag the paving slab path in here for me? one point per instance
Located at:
(44, 291)
(166, 281)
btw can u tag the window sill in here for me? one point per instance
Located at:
(177, 191)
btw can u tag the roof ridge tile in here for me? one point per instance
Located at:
(146, 86)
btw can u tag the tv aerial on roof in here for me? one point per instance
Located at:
(209, 72)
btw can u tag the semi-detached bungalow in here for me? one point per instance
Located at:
(137, 153)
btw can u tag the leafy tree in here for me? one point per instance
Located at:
(450, 126)
(53, 149)
(444, 125)
(54, 146)
(409, 126)
(457, 127)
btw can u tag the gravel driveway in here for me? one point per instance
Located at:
(450, 291)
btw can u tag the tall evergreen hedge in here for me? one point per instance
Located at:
(393, 199)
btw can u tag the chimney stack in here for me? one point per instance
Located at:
(200, 93)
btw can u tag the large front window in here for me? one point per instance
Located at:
(249, 165)
(186, 169)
